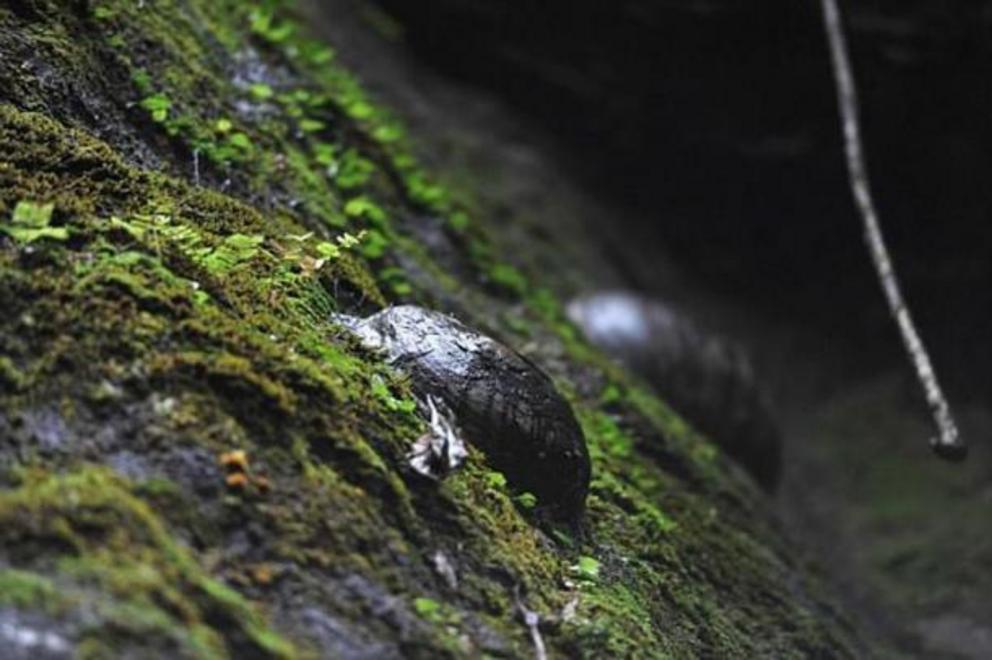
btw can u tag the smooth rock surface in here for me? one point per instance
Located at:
(706, 378)
(504, 403)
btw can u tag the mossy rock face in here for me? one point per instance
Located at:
(196, 462)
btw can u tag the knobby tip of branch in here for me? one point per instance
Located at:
(954, 451)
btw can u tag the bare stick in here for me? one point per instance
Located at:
(533, 621)
(947, 443)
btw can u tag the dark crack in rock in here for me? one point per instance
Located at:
(704, 377)
(505, 404)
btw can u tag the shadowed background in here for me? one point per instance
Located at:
(714, 124)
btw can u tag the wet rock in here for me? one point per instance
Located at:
(32, 636)
(706, 378)
(506, 405)
(335, 639)
(47, 428)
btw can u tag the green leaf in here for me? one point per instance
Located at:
(280, 33)
(328, 250)
(387, 133)
(401, 288)
(261, 91)
(142, 80)
(611, 394)
(234, 251)
(526, 500)
(240, 141)
(360, 110)
(158, 105)
(262, 25)
(320, 55)
(30, 222)
(28, 235)
(587, 569)
(32, 214)
(496, 480)
(459, 221)
(244, 242)
(426, 607)
(508, 277)
(363, 207)
(223, 126)
(355, 170)
(311, 125)
(324, 155)
(375, 245)
(261, 21)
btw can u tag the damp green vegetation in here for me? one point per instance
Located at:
(188, 191)
(121, 571)
(31, 221)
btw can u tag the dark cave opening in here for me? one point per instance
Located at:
(715, 124)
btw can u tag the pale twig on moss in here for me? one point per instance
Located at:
(533, 622)
(947, 443)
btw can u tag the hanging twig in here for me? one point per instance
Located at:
(947, 443)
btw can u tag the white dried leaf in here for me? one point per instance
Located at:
(444, 568)
(440, 450)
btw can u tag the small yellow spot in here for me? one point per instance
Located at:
(262, 573)
(237, 480)
(235, 460)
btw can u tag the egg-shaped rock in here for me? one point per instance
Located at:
(706, 378)
(505, 405)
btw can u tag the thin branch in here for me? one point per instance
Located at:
(533, 622)
(947, 443)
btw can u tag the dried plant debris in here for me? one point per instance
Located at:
(440, 450)
(532, 620)
(445, 569)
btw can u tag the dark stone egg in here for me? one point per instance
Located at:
(505, 405)
(706, 378)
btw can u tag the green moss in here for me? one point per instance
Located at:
(509, 278)
(113, 542)
(23, 590)
(10, 375)
(611, 622)
(204, 250)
